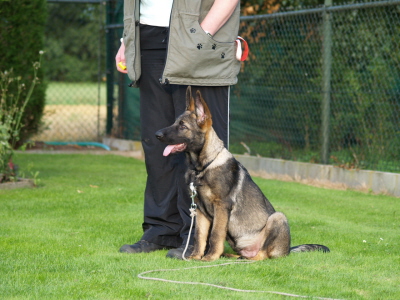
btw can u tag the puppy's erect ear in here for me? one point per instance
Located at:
(189, 99)
(202, 110)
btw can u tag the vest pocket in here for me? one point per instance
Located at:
(194, 54)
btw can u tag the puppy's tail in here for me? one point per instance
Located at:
(309, 248)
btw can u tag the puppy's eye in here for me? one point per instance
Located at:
(182, 125)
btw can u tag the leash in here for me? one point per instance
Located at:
(192, 210)
(219, 286)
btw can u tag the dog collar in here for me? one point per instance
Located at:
(205, 167)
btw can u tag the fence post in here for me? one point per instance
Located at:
(110, 36)
(326, 82)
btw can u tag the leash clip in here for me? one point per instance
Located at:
(194, 194)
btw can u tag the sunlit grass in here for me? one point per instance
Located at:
(61, 240)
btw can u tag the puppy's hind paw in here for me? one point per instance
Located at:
(229, 255)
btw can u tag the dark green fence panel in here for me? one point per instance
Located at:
(123, 119)
(276, 108)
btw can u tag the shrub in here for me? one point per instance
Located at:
(12, 108)
(22, 24)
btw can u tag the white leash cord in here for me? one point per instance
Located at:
(219, 286)
(190, 231)
(192, 215)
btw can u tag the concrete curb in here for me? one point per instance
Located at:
(326, 176)
(133, 147)
(323, 175)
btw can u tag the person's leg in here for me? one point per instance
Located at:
(162, 220)
(217, 99)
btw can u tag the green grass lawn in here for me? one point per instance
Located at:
(61, 240)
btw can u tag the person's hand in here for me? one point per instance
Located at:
(120, 59)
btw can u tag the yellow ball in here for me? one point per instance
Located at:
(122, 66)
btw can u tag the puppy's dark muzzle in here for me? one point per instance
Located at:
(160, 135)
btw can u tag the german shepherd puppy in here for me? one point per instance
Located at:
(230, 205)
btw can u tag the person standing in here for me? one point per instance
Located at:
(166, 46)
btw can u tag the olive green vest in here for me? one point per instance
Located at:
(193, 57)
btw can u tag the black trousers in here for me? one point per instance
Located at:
(166, 198)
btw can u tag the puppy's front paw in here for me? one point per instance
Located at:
(195, 257)
(210, 257)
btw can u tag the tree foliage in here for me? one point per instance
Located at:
(258, 7)
(72, 41)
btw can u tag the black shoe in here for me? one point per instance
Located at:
(141, 247)
(177, 252)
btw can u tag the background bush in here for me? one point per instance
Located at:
(22, 24)
(72, 42)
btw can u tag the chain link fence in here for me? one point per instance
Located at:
(74, 64)
(323, 86)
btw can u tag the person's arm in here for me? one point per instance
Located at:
(219, 13)
(120, 58)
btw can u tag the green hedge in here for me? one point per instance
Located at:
(22, 24)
